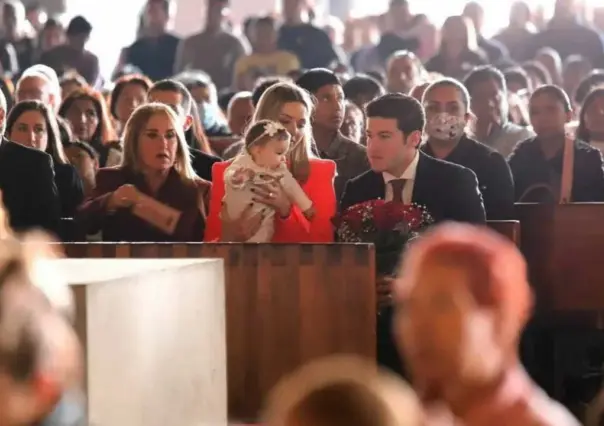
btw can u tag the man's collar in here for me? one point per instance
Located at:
(408, 174)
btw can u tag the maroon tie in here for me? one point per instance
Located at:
(397, 189)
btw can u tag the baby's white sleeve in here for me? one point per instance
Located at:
(294, 191)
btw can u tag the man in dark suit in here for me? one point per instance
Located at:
(400, 172)
(395, 124)
(27, 182)
(175, 95)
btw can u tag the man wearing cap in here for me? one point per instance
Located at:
(350, 157)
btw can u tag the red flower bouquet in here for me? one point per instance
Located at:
(389, 226)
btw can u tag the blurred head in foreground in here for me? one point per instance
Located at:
(39, 352)
(462, 302)
(342, 391)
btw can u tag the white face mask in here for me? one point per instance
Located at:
(444, 126)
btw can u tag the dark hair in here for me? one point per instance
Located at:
(266, 20)
(518, 76)
(224, 98)
(55, 146)
(556, 92)
(86, 147)
(52, 23)
(362, 84)
(64, 130)
(164, 3)
(450, 82)
(104, 132)
(121, 84)
(8, 90)
(538, 69)
(407, 111)
(254, 134)
(79, 26)
(582, 130)
(377, 76)
(263, 85)
(483, 74)
(592, 80)
(169, 85)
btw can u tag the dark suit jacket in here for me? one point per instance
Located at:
(124, 226)
(71, 189)
(493, 173)
(530, 168)
(202, 163)
(28, 188)
(448, 191)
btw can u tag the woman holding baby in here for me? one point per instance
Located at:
(269, 190)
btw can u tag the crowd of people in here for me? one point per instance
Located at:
(264, 137)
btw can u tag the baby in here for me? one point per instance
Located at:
(262, 162)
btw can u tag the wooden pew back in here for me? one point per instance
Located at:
(286, 305)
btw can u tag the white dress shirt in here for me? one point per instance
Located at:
(408, 175)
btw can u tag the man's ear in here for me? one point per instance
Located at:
(188, 122)
(414, 138)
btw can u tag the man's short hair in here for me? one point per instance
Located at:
(313, 80)
(169, 85)
(592, 80)
(263, 85)
(518, 76)
(79, 26)
(362, 85)
(267, 20)
(408, 113)
(483, 74)
(450, 82)
(239, 96)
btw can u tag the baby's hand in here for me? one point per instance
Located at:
(310, 213)
(240, 177)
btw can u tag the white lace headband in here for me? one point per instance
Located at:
(270, 129)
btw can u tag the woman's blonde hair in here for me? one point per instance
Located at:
(135, 126)
(269, 108)
(342, 390)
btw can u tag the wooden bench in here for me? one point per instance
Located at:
(285, 305)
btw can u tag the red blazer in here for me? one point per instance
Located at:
(296, 228)
(124, 226)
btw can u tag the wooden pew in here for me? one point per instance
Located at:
(564, 247)
(286, 305)
(507, 228)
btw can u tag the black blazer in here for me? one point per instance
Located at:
(448, 191)
(70, 187)
(28, 188)
(530, 167)
(202, 163)
(493, 173)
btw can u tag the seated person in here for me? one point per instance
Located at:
(262, 162)
(154, 195)
(538, 164)
(28, 187)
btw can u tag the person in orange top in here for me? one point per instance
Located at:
(292, 107)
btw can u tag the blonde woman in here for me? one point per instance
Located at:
(154, 195)
(291, 106)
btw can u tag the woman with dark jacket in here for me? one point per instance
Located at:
(31, 123)
(537, 163)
